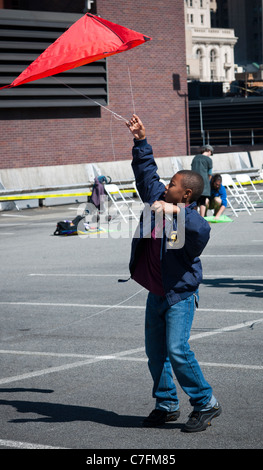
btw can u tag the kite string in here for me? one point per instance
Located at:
(111, 125)
(113, 114)
(133, 105)
(117, 116)
(104, 310)
(132, 97)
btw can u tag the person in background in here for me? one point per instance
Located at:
(218, 199)
(202, 163)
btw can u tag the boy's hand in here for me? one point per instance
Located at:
(166, 207)
(136, 127)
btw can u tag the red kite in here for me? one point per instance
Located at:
(89, 39)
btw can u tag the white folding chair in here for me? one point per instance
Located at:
(235, 197)
(120, 202)
(9, 204)
(238, 189)
(244, 178)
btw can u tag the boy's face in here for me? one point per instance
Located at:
(175, 192)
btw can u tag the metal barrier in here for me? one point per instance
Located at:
(41, 193)
(227, 137)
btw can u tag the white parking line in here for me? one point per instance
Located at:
(244, 324)
(231, 366)
(42, 353)
(241, 276)
(25, 445)
(122, 357)
(120, 306)
(76, 275)
(235, 276)
(21, 224)
(205, 364)
(49, 370)
(15, 215)
(56, 304)
(231, 256)
(67, 366)
(126, 275)
(122, 354)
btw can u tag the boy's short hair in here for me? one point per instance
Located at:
(194, 181)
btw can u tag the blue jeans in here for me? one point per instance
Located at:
(167, 331)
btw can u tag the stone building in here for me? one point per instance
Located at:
(209, 51)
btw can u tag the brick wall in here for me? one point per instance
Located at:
(34, 141)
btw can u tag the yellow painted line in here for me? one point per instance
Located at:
(44, 196)
(40, 196)
(254, 182)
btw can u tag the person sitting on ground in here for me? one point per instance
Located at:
(218, 199)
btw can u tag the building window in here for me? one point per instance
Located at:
(212, 56)
(199, 57)
(191, 19)
(212, 64)
(202, 19)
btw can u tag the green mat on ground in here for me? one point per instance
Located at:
(222, 219)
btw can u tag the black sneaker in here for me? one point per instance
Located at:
(159, 417)
(199, 420)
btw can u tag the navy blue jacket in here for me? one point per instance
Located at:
(181, 268)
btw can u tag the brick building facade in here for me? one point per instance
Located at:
(143, 76)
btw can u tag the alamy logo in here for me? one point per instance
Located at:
(104, 223)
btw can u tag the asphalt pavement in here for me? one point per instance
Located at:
(74, 373)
